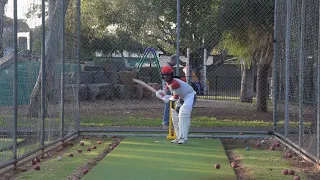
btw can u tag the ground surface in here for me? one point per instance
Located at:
(227, 109)
(158, 159)
(234, 149)
(297, 164)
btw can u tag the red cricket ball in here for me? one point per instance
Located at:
(234, 165)
(285, 171)
(289, 155)
(296, 178)
(37, 168)
(291, 172)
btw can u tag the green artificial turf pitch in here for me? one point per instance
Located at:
(155, 158)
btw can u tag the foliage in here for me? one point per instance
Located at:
(244, 23)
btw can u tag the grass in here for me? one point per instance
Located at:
(23, 122)
(103, 121)
(54, 169)
(265, 164)
(7, 142)
(100, 121)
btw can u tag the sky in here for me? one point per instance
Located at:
(23, 6)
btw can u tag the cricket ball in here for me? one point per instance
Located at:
(234, 165)
(291, 172)
(88, 149)
(99, 142)
(37, 168)
(277, 144)
(81, 143)
(289, 155)
(94, 147)
(296, 178)
(285, 171)
(217, 166)
(272, 147)
(59, 158)
(79, 151)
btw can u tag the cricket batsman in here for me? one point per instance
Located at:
(185, 97)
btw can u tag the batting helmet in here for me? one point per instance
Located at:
(166, 70)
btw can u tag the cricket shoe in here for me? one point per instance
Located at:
(175, 141)
(182, 141)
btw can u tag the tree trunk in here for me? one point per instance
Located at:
(247, 78)
(262, 87)
(52, 47)
(2, 5)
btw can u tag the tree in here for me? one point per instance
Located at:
(111, 26)
(52, 44)
(152, 23)
(199, 28)
(248, 25)
(2, 5)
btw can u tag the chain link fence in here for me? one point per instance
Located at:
(296, 74)
(39, 103)
(226, 46)
(226, 51)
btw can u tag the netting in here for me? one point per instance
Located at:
(297, 33)
(226, 50)
(44, 116)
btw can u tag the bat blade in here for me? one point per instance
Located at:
(144, 85)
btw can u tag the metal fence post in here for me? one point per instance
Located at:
(301, 73)
(205, 55)
(188, 70)
(78, 58)
(287, 46)
(318, 95)
(275, 66)
(43, 73)
(178, 37)
(15, 81)
(62, 69)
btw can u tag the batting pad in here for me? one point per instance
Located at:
(154, 158)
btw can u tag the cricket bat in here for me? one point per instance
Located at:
(144, 85)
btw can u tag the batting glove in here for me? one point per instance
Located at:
(160, 94)
(166, 98)
(173, 99)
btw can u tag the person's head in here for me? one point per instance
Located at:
(173, 60)
(167, 73)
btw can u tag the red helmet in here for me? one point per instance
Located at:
(166, 70)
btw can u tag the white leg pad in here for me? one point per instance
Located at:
(175, 122)
(184, 121)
